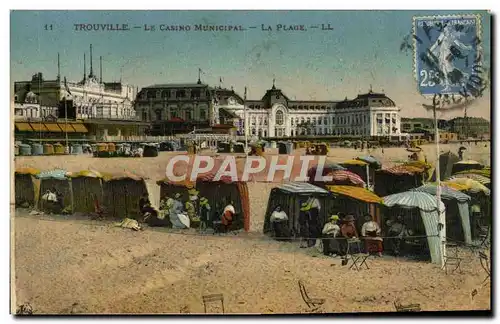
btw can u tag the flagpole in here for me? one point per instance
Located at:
(245, 120)
(66, 124)
(442, 216)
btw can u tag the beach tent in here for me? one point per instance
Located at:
(87, 189)
(357, 201)
(55, 180)
(465, 166)
(76, 149)
(122, 193)
(24, 149)
(150, 151)
(285, 147)
(290, 196)
(427, 207)
(327, 168)
(36, 149)
(26, 187)
(223, 191)
(58, 149)
(458, 223)
(396, 179)
(474, 176)
(48, 149)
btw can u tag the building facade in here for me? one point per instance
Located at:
(182, 107)
(470, 127)
(275, 115)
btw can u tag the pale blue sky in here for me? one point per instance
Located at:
(362, 49)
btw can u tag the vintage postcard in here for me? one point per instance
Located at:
(250, 162)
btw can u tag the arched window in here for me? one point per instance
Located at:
(144, 115)
(279, 118)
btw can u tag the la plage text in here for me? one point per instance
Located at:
(197, 27)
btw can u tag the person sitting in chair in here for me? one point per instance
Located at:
(371, 233)
(396, 231)
(348, 231)
(227, 216)
(279, 222)
(330, 232)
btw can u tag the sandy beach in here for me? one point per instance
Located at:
(73, 265)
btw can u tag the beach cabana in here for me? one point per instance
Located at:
(357, 201)
(458, 223)
(48, 149)
(36, 149)
(24, 149)
(150, 151)
(55, 180)
(87, 189)
(465, 166)
(396, 179)
(290, 196)
(26, 187)
(374, 163)
(223, 191)
(122, 193)
(58, 149)
(427, 208)
(285, 147)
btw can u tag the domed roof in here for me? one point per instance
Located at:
(31, 97)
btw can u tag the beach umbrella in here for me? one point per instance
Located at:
(85, 173)
(412, 199)
(354, 162)
(346, 176)
(447, 192)
(471, 185)
(479, 178)
(370, 160)
(357, 193)
(486, 172)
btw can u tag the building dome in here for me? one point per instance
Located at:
(31, 97)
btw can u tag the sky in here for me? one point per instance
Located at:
(362, 51)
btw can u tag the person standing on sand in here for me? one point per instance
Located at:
(204, 213)
(279, 222)
(304, 224)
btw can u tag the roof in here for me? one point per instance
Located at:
(301, 187)
(176, 85)
(31, 171)
(358, 193)
(58, 174)
(447, 192)
(229, 113)
(185, 183)
(85, 173)
(354, 162)
(413, 199)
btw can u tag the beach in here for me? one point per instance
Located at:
(66, 264)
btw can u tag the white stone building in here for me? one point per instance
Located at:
(275, 115)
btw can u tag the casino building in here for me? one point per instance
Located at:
(275, 115)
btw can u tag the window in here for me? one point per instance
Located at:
(158, 114)
(203, 114)
(144, 115)
(188, 115)
(195, 94)
(165, 94)
(279, 118)
(319, 121)
(314, 120)
(253, 121)
(150, 94)
(291, 121)
(291, 132)
(173, 114)
(180, 93)
(325, 120)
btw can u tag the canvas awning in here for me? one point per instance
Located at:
(24, 127)
(356, 193)
(80, 128)
(67, 128)
(354, 162)
(52, 127)
(38, 127)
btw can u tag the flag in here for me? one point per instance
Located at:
(66, 86)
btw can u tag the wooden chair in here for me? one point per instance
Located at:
(484, 236)
(451, 258)
(358, 258)
(313, 303)
(485, 264)
(213, 298)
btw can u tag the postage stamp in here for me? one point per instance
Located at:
(447, 53)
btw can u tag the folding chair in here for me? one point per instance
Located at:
(313, 303)
(213, 298)
(452, 259)
(406, 308)
(358, 258)
(485, 264)
(484, 236)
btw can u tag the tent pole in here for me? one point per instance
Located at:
(442, 216)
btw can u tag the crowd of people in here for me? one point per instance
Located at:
(194, 212)
(340, 229)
